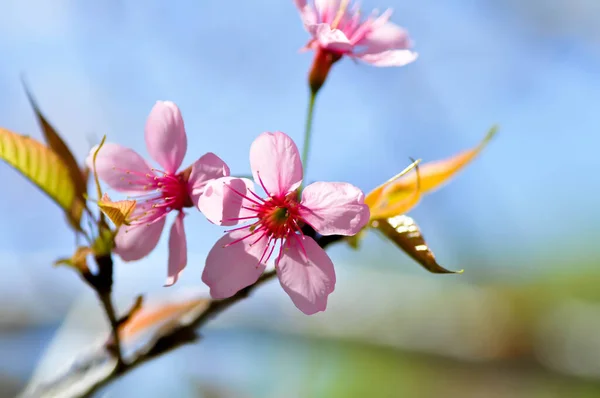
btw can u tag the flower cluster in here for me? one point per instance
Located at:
(239, 258)
(279, 217)
(273, 221)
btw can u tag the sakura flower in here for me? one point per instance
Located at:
(157, 192)
(304, 269)
(338, 29)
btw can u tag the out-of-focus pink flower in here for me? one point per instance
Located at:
(304, 269)
(338, 29)
(157, 192)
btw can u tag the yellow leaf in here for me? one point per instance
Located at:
(400, 195)
(78, 261)
(60, 148)
(374, 197)
(41, 166)
(119, 211)
(405, 233)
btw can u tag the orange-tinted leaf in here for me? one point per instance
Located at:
(119, 211)
(56, 143)
(41, 166)
(404, 232)
(78, 261)
(135, 308)
(374, 198)
(160, 318)
(398, 196)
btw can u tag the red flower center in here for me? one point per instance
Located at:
(174, 191)
(279, 215)
(166, 192)
(278, 220)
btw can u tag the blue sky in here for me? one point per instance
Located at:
(235, 71)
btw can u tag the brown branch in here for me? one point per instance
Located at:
(173, 339)
(102, 283)
(109, 309)
(180, 336)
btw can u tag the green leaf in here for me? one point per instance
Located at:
(41, 166)
(406, 234)
(60, 148)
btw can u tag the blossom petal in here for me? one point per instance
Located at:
(326, 9)
(307, 278)
(121, 168)
(388, 36)
(307, 12)
(330, 39)
(231, 267)
(334, 208)
(136, 242)
(165, 135)
(177, 250)
(208, 167)
(227, 199)
(275, 163)
(389, 58)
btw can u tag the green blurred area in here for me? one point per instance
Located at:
(517, 366)
(352, 370)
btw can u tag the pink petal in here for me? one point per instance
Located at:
(326, 10)
(165, 135)
(177, 250)
(136, 242)
(387, 36)
(307, 12)
(308, 282)
(330, 39)
(121, 168)
(389, 58)
(334, 208)
(275, 160)
(232, 268)
(205, 169)
(222, 202)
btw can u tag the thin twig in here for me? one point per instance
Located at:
(188, 333)
(102, 283)
(109, 309)
(171, 340)
(180, 336)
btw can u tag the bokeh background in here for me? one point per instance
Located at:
(523, 319)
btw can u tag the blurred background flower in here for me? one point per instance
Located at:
(520, 220)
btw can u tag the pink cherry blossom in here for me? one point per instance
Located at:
(304, 269)
(157, 192)
(337, 28)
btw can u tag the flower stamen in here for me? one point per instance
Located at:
(241, 194)
(262, 184)
(240, 239)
